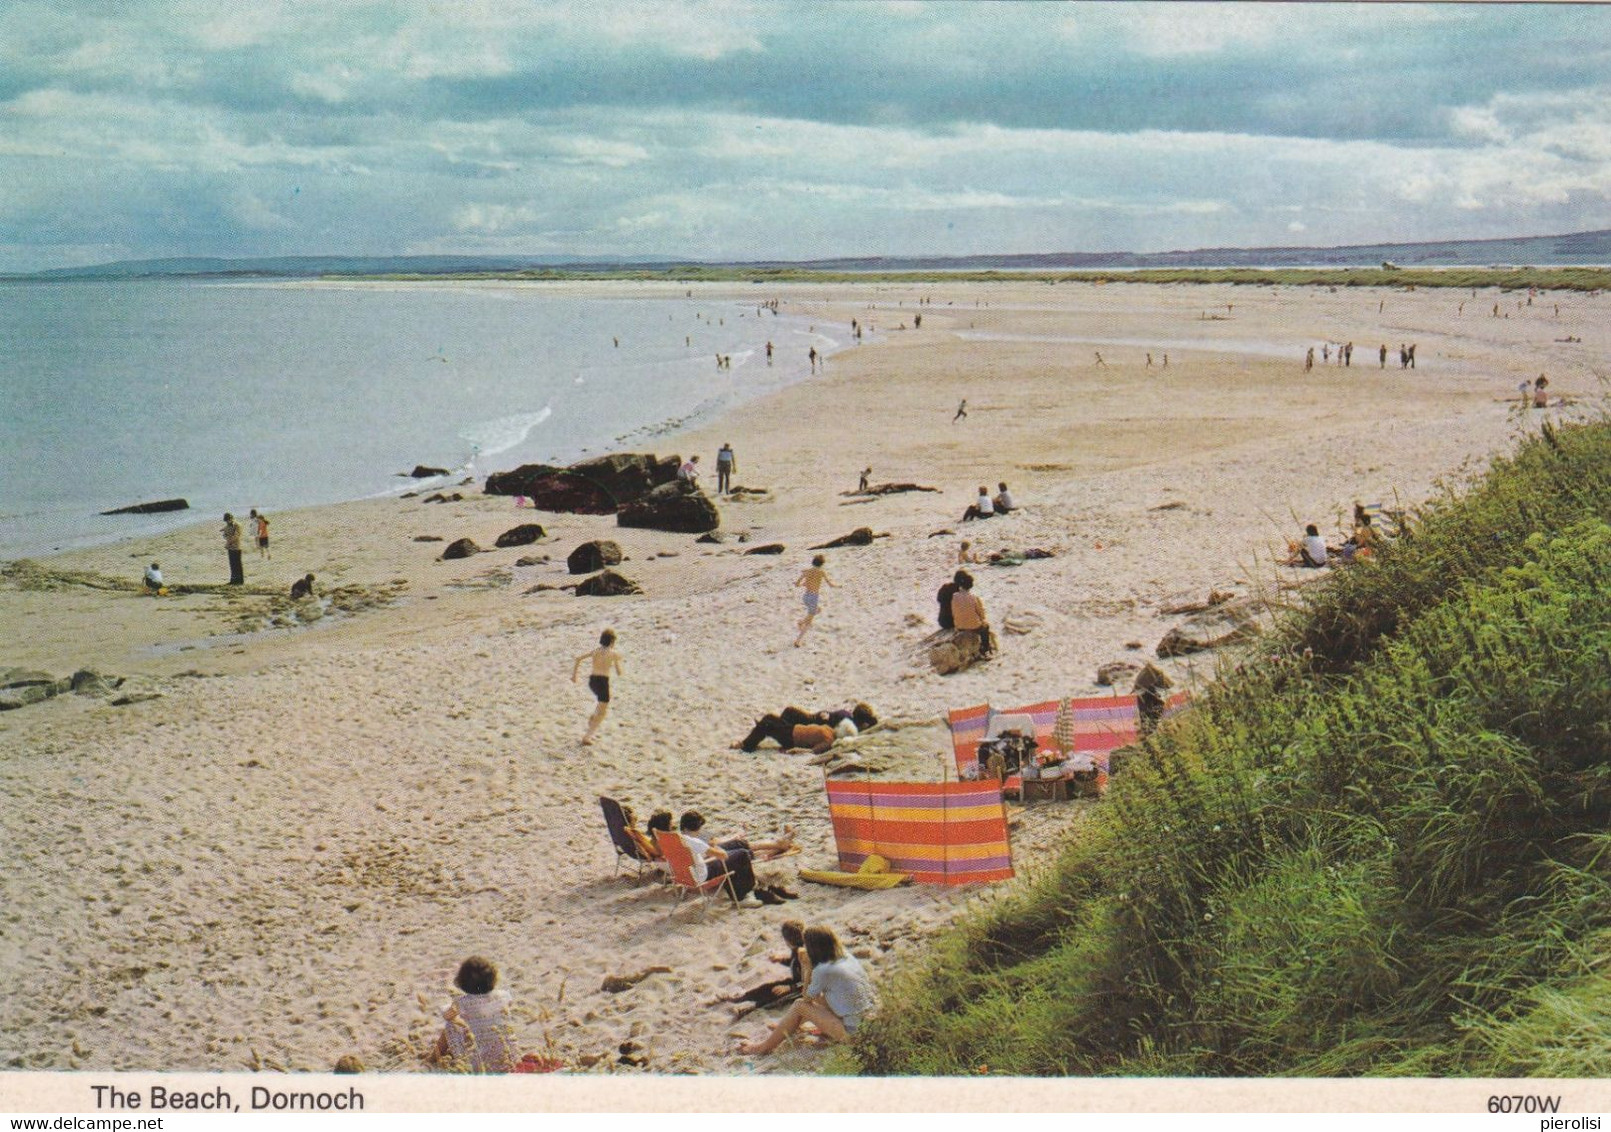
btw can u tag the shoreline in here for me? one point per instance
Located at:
(306, 830)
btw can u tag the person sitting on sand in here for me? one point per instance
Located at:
(476, 1036)
(733, 857)
(1541, 392)
(980, 508)
(1004, 501)
(778, 991)
(838, 995)
(302, 587)
(689, 470)
(1366, 540)
(966, 555)
(968, 614)
(1312, 550)
(153, 579)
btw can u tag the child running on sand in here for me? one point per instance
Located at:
(604, 660)
(813, 579)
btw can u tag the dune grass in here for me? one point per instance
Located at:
(1381, 847)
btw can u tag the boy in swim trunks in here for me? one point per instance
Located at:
(604, 660)
(812, 578)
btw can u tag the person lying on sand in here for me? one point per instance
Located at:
(793, 729)
(775, 992)
(838, 995)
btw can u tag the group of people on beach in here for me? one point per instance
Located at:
(826, 985)
(156, 585)
(1365, 541)
(986, 506)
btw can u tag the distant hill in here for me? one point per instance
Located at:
(1574, 249)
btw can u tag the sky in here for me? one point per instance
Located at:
(730, 130)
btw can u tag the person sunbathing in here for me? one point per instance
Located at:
(837, 997)
(794, 729)
(735, 857)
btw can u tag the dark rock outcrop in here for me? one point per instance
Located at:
(599, 486)
(421, 472)
(768, 548)
(607, 583)
(151, 508)
(674, 506)
(592, 556)
(460, 548)
(950, 651)
(523, 535)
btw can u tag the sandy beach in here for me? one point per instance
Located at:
(291, 833)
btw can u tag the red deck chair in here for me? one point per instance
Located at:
(680, 860)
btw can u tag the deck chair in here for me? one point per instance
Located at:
(680, 860)
(627, 851)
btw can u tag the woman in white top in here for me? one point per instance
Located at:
(836, 1000)
(1313, 549)
(981, 508)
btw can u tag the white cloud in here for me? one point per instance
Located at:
(493, 219)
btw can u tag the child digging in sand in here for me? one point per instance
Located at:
(813, 579)
(604, 661)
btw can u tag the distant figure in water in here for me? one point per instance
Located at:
(1383, 355)
(812, 354)
(769, 353)
(1309, 360)
(302, 587)
(962, 411)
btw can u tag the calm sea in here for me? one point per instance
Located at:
(275, 395)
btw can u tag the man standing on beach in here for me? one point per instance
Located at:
(232, 547)
(726, 465)
(604, 660)
(962, 411)
(812, 578)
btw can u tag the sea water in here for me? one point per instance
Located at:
(272, 395)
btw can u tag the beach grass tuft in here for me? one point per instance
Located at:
(1377, 848)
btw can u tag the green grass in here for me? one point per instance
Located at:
(1381, 848)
